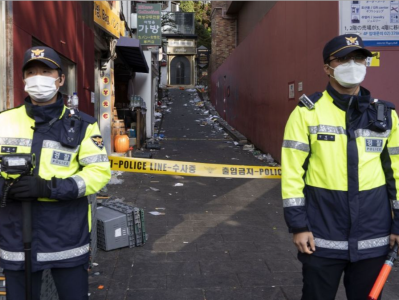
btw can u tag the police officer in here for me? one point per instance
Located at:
(340, 171)
(71, 163)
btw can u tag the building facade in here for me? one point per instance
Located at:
(178, 32)
(277, 57)
(85, 35)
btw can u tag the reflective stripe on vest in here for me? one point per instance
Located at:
(326, 129)
(81, 185)
(395, 204)
(370, 133)
(57, 146)
(12, 256)
(343, 245)
(9, 141)
(293, 202)
(296, 145)
(93, 159)
(52, 256)
(55, 256)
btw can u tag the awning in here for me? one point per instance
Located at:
(130, 52)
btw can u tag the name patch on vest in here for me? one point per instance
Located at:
(374, 145)
(326, 137)
(5, 149)
(61, 159)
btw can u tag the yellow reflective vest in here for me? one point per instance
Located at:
(340, 171)
(61, 225)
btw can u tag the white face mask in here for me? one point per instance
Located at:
(350, 74)
(41, 88)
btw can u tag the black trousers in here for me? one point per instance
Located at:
(321, 277)
(71, 283)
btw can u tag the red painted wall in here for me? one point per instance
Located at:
(286, 46)
(59, 25)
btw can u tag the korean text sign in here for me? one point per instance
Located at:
(377, 22)
(149, 24)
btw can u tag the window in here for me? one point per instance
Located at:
(173, 7)
(68, 68)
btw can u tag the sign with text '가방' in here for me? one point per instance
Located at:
(149, 24)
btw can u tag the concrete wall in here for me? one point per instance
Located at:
(285, 46)
(250, 89)
(250, 15)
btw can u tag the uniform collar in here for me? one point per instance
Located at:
(45, 113)
(359, 102)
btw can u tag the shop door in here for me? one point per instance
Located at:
(180, 71)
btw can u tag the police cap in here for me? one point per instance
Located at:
(43, 54)
(344, 44)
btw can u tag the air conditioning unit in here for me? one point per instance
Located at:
(133, 21)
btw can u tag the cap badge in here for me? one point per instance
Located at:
(37, 53)
(352, 41)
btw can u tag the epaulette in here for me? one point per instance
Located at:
(85, 117)
(309, 101)
(387, 103)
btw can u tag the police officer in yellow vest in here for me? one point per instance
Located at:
(340, 172)
(71, 163)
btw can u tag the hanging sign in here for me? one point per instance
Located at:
(107, 19)
(203, 56)
(149, 24)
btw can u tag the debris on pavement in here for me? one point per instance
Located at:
(114, 177)
(248, 147)
(156, 213)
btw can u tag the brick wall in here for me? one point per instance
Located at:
(223, 34)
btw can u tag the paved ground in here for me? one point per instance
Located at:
(220, 239)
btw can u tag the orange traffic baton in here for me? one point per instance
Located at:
(384, 273)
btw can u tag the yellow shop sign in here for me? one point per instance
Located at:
(107, 19)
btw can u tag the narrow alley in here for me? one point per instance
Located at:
(215, 239)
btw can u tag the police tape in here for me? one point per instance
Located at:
(182, 168)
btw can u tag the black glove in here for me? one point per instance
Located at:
(28, 187)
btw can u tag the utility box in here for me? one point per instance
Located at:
(112, 229)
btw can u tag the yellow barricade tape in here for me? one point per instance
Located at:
(183, 168)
